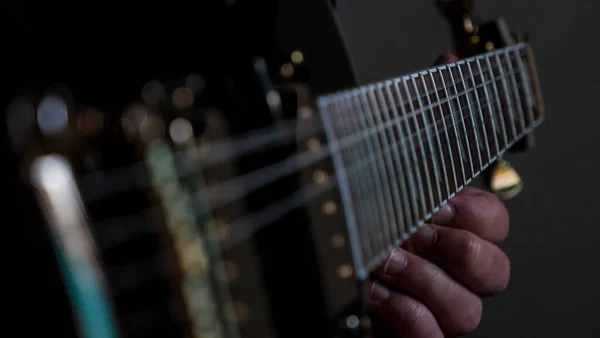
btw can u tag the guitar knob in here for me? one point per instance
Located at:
(503, 180)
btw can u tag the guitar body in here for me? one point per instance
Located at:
(173, 176)
(104, 56)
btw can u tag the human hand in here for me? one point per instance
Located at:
(432, 286)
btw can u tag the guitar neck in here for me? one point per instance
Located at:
(402, 147)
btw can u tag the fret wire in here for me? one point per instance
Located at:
(298, 199)
(240, 186)
(346, 195)
(423, 158)
(475, 134)
(409, 228)
(515, 91)
(483, 128)
(439, 141)
(397, 176)
(460, 155)
(415, 164)
(411, 181)
(248, 143)
(500, 114)
(360, 96)
(421, 147)
(430, 143)
(361, 195)
(451, 156)
(463, 137)
(451, 116)
(404, 143)
(490, 109)
(387, 169)
(526, 81)
(507, 97)
(374, 198)
(470, 159)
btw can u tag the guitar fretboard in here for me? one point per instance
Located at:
(404, 146)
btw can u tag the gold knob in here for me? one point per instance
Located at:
(505, 182)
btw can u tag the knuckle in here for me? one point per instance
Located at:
(434, 275)
(415, 324)
(470, 250)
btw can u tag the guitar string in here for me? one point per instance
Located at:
(430, 126)
(107, 184)
(274, 212)
(240, 186)
(227, 148)
(232, 188)
(248, 227)
(252, 223)
(484, 128)
(266, 215)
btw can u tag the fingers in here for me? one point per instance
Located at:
(403, 315)
(456, 309)
(478, 264)
(446, 58)
(478, 211)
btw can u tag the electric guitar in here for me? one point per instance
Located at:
(216, 170)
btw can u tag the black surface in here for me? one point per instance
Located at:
(554, 240)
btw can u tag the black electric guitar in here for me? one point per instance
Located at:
(215, 170)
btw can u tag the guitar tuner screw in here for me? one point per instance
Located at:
(181, 130)
(345, 271)
(287, 70)
(329, 208)
(183, 97)
(352, 322)
(52, 115)
(313, 144)
(297, 57)
(319, 176)
(338, 241)
(305, 112)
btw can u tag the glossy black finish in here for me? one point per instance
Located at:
(105, 54)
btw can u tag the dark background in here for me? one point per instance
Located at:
(554, 243)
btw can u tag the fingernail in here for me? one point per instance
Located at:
(444, 216)
(395, 263)
(379, 292)
(423, 239)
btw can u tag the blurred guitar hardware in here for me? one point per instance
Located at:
(216, 170)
